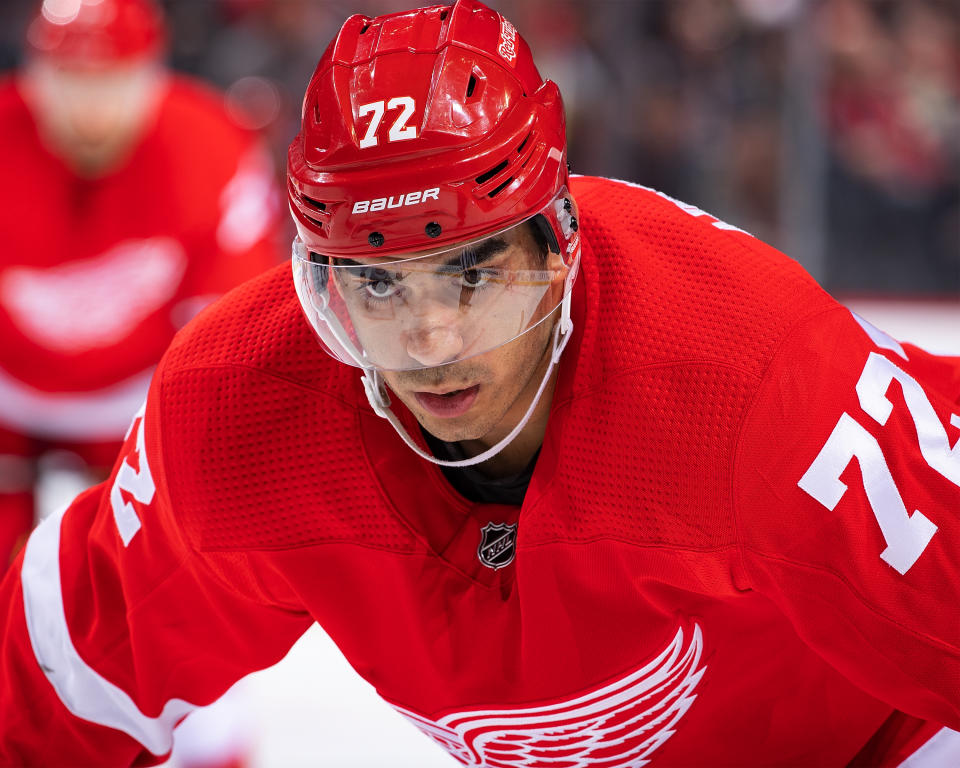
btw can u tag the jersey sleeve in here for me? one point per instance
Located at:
(115, 627)
(847, 490)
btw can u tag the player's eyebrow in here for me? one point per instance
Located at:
(473, 255)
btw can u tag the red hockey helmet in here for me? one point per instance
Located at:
(425, 133)
(421, 129)
(97, 32)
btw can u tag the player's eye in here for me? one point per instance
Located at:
(380, 289)
(379, 284)
(475, 278)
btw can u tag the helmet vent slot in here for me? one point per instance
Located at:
(486, 176)
(365, 27)
(524, 142)
(314, 203)
(443, 14)
(475, 85)
(497, 190)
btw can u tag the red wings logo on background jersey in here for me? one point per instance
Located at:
(618, 725)
(81, 305)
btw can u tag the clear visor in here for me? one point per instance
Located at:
(431, 309)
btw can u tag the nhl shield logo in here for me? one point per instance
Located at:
(498, 544)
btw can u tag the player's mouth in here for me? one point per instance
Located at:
(448, 405)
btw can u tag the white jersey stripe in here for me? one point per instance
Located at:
(941, 751)
(82, 689)
(687, 208)
(83, 416)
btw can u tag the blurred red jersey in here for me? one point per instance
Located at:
(738, 546)
(98, 274)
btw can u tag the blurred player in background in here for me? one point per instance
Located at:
(130, 201)
(136, 202)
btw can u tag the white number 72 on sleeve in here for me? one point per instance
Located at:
(906, 535)
(137, 482)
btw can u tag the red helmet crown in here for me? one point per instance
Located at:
(97, 32)
(421, 129)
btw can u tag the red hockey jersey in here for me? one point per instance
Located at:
(738, 546)
(98, 274)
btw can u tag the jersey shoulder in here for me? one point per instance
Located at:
(673, 283)
(260, 430)
(679, 320)
(195, 110)
(259, 327)
(194, 142)
(9, 94)
(15, 119)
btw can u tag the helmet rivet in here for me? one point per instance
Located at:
(567, 205)
(433, 229)
(574, 224)
(375, 239)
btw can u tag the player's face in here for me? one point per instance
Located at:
(462, 336)
(483, 396)
(92, 116)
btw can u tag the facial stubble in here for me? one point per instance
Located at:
(533, 346)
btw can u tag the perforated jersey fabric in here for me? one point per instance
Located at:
(303, 427)
(683, 589)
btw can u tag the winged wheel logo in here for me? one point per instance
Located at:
(619, 725)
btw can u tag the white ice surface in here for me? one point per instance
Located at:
(934, 326)
(312, 710)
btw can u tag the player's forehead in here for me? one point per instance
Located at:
(511, 242)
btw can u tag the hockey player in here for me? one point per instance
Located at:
(113, 237)
(688, 509)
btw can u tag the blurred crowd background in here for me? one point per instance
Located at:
(829, 128)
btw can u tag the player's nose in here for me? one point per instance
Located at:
(435, 336)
